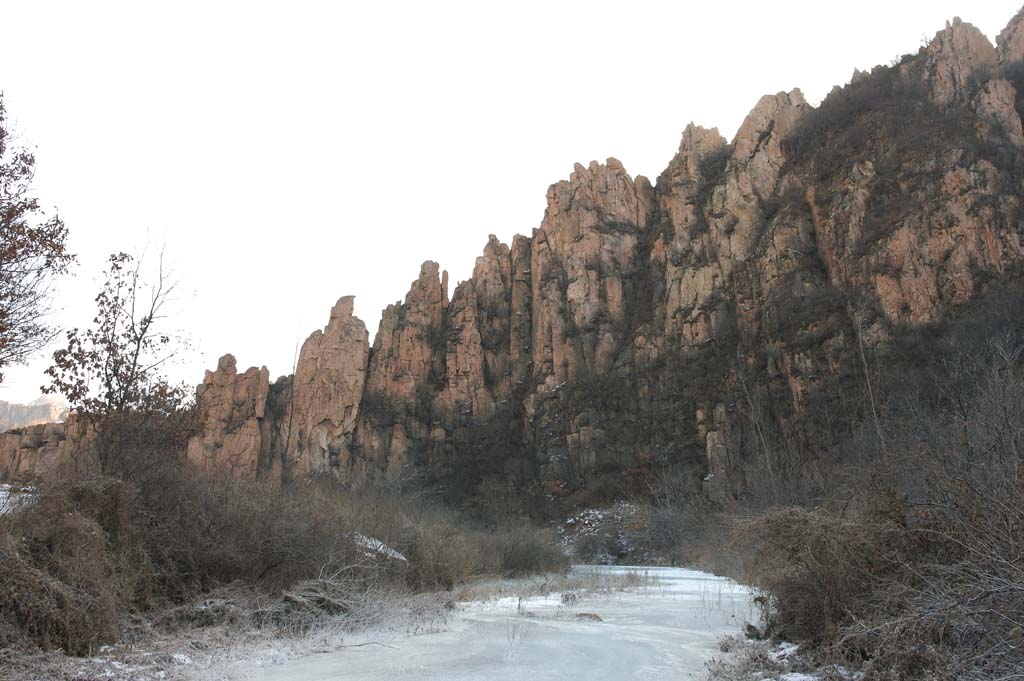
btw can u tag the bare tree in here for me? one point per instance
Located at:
(117, 365)
(32, 253)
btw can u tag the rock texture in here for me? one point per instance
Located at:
(28, 452)
(582, 256)
(327, 389)
(687, 321)
(956, 59)
(231, 407)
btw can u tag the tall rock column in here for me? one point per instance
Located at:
(326, 393)
(404, 375)
(231, 407)
(582, 252)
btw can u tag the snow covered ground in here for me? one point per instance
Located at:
(665, 631)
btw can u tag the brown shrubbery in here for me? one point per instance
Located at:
(128, 527)
(917, 570)
(898, 547)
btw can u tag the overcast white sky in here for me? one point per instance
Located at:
(290, 153)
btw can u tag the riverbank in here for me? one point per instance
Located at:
(669, 626)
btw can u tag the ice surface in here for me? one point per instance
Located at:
(667, 631)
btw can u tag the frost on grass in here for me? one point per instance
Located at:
(750, 660)
(234, 631)
(569, 587)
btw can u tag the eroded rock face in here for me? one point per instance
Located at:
(231, 407)
(27, 453)
(1010, 42)
(716, 197)
(407, 348)
(955, 61)
(582, 255)
(327, 390)
(405, 367)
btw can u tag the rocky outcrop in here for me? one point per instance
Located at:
(42, 410)
(325, 396)
(956, 60)
(630, 327)
(1010, 42)
(403, 373)
(231, 407)
(716, 198)
(583, 255)
(682, 323)
(28, 452)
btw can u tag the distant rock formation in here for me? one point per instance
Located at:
(41, 410)
(28, 452)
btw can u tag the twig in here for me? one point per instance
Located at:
(369, 643)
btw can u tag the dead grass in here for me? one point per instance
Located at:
(99, 544)
(919, 571)
(227, 634)
(573, 586)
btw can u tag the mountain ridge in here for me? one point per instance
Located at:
(622, 273)
(630, 329)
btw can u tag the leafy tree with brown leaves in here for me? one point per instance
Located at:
(33, 252)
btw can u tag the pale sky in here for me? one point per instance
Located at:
(290, 153)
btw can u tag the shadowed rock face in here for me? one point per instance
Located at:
(627, 329)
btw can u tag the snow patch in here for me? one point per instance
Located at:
(375, 547)
(784, 651)
(12, 498)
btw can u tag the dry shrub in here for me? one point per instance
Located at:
(919, 571)
(522, 549)
(440, 556)
(211, 531)
(820, 570)
(53, 613)
(443, 551)
(128, 526)
(57, 580)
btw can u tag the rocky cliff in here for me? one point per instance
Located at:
(736, 299)
(42, 410)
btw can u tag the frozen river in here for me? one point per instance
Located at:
(665, 631)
